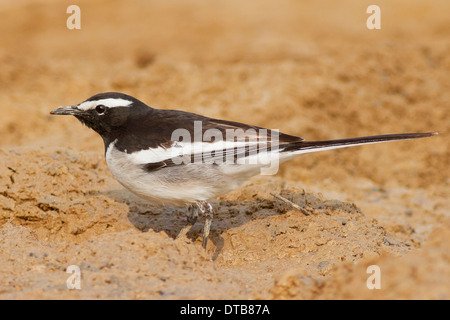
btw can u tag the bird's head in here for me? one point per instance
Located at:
(105, 112)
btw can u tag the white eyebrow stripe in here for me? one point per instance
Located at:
(110, 103)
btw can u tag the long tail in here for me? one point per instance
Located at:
(314, 146)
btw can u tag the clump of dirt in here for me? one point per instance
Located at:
(58, 194)
(423, 274)
(302, 227)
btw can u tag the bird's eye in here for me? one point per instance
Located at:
(100, 109)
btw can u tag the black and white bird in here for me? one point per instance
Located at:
(179, 158)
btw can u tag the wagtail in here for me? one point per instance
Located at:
(179, 158)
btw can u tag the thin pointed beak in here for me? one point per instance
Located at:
(70, 110)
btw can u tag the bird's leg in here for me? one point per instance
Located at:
(192, 215)
(206, 209)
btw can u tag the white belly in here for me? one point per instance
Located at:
(177, 185)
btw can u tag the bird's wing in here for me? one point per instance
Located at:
(176, 137)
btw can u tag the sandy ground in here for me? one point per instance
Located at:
(308, 68)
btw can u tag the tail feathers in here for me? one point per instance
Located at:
(314, 146)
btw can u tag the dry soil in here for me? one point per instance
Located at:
(308, 68)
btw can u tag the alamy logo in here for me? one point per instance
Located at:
(74, 20)
(374, 281)
(374, 20)
(74, 281)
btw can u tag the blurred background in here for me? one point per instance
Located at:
(310, 68)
